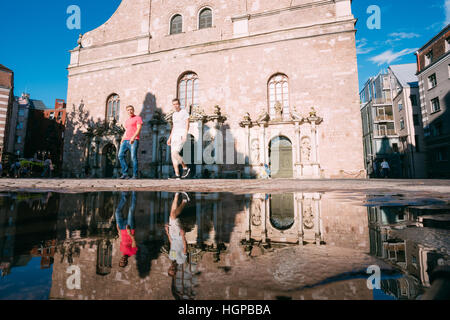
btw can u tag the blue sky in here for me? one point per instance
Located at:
(36, 40)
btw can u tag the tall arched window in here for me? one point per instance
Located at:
(188, 87)
(113, 108)
(176, 24)
(278, 91)
(205, 18)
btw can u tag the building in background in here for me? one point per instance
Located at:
(408, 119)
(45, 133)
(380, 138)
(433, 71)
(20, 122)
(6, 106)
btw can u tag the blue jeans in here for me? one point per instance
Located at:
(133, 148)
(130, 219)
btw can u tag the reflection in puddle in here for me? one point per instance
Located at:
(159, 245)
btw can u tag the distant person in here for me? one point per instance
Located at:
(48, 168)
(130, 142)
(375, 169)
(126, 229)
(385, 169)
(265, 171)
(177, 139)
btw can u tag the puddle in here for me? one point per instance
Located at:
(219, 245)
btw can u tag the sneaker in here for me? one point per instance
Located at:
(175, 178)
(124, 176)
(185, 173)
(185, 196)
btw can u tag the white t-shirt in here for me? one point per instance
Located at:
(179, 121)
(384, 165)
(177, 245)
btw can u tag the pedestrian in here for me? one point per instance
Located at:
(375, 169)
(178, 137)
(385, 168)
(130, 142)
(47, 168)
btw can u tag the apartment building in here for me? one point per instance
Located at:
(380, 138)
(433, 72)
(408, 119)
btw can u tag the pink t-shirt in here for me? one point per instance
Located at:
(126, 244)
(131, 127)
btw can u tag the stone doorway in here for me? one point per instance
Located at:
(282, 215)
(280, 155)
(110, 160)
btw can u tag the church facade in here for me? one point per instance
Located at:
(266, 83)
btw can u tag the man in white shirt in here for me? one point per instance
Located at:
(178, 137)
(385, 168)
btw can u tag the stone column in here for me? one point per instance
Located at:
(298, 165)
(247, 222)
(299, 208)
(198, 152)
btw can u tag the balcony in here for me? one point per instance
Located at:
(382, 100)
(385, 117)
(385, 132)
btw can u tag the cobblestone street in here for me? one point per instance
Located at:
(410, 187)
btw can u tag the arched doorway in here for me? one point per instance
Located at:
(280, 155)
(110, 159)
(282, 215)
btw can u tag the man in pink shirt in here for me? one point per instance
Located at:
(130, 142)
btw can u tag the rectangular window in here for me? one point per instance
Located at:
(442, 155)
(59, 115)
(416, 120)
(436, 129)
(432, 82)
(402, 123)
(18, 139)
(19, 125)
(435, 105)
(447, 44)
(400, 107)
(52, 115)
(21, 112)
(413, 100)
(428, 58)
(416, 139)
(395, 147)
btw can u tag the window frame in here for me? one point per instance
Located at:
(433, 110)
(286, 78)
(195, 79)
(432, 81)
(110, 98)
(198, 17)
(171, 21)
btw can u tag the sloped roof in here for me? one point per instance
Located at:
(406, 74)
(3, 68)
(38, 104)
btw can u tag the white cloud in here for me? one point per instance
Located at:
(388, 56)
(404, 35)
(361, 47)
(447, 12)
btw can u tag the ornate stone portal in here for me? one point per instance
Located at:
(304, 214)
(102, 148)
(302, 133)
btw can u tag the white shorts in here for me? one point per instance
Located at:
(177, 143)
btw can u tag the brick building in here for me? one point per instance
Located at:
(433, 71)
(45, 133)
(6, 106)
(278, 77)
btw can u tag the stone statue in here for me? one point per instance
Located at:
(308, 217)
(278, 111)
(306, 150)
(263, 116)
(313, 113)
(255, 151)
(256, 213)
(80, 38)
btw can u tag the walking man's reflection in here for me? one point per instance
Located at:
(126, 229)
(180, 270)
